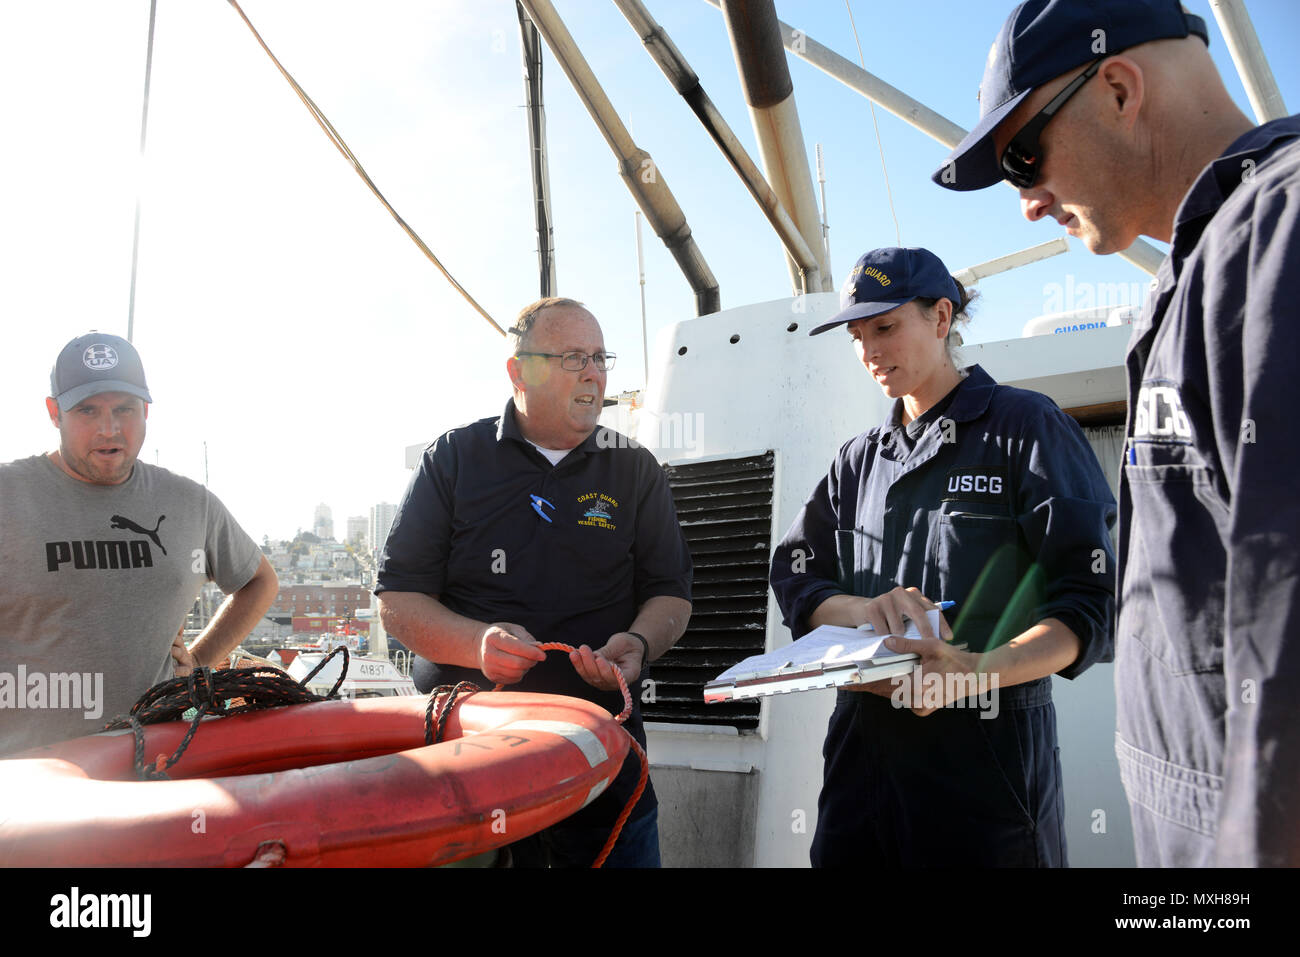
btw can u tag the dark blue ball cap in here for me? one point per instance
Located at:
(1041, 40)
(884, 279)
(94, 363)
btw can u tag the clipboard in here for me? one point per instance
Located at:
(826, 657)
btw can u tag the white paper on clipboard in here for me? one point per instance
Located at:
(826, 657)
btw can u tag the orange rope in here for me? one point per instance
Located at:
(622, 683)
(645, 763)
(627, 811)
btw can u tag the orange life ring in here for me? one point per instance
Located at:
(336, 783)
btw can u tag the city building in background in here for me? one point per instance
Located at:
(323, 525)
(358, 530)
(381, 520)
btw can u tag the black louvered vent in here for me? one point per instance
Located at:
(725, 509)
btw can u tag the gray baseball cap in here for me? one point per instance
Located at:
(93, 363)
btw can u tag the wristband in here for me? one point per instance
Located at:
(645, 647)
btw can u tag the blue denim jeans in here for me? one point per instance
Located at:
(568, 845)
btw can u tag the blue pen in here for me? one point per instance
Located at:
(946, 605)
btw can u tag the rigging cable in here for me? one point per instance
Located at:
(144, 129)
(342, 147)
(888, 191)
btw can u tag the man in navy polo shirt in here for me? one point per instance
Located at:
(539, 525)
(1109, 116)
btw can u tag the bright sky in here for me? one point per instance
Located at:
(288, 323)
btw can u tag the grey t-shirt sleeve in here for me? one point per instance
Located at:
(232, 556)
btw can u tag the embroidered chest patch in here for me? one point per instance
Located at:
(597, 510)
(979, 483)
(1158, 414)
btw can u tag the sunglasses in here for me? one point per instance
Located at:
(1022, 158)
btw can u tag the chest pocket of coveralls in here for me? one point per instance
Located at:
(974, 551)
(1174, 492)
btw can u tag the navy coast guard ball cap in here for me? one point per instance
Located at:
(94, 363)
(1041, 40)
(884, 279)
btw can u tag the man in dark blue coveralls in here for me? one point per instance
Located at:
(534, 526)
(1109, 116)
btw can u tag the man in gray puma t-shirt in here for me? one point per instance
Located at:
(101, 558)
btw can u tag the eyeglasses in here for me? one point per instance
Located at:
(1022, 158)
(577, 361)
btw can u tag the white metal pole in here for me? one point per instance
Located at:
(1248, 55)
(640, 266)
(973, 274)
(1141, 254)
(826, 229)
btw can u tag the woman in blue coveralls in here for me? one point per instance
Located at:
(970, 492)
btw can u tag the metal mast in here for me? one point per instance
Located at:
(532, 50)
